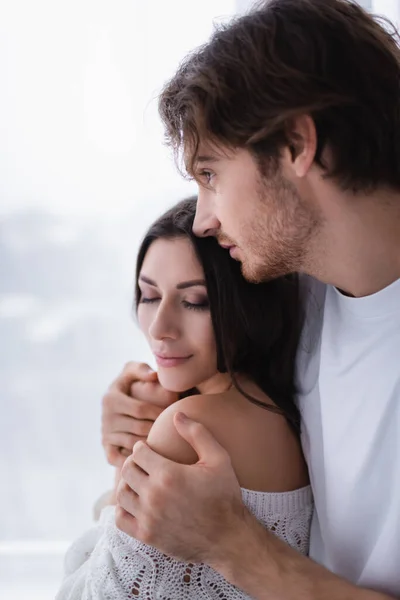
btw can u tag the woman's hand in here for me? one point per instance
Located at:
(192, 512)
(130, 406)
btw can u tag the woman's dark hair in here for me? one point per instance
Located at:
(326, 58)
(256, 326)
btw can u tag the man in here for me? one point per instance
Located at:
(289, 120)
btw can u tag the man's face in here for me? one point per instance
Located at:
(261, 219)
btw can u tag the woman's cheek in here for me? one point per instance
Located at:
(205, 334)
(144, 316)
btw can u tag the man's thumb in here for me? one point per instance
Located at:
(202, 441)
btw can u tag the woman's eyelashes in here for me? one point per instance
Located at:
(144, 300)
(201, 304)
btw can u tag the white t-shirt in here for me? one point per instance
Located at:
(349, 384)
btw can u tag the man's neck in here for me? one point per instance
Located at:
(361, 249)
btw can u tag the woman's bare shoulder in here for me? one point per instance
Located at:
(163, 436)
(265, 453)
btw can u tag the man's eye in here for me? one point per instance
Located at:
(207, 175)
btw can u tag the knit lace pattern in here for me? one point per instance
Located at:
(107, 564)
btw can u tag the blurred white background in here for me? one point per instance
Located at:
(83, 172)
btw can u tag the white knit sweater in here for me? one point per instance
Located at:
(106, 564)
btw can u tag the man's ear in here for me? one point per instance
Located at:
(302, 144)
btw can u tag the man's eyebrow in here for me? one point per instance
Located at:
(192, 283)
(206, 158)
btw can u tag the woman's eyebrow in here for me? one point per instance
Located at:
(192, 283)
(147, 280)
(180, 286)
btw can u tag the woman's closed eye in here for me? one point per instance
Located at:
(144, 300)
(200, 305)
(192, 304)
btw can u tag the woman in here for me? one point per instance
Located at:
(228, 348)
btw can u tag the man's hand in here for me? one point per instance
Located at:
(187, 511)
(130, 407)
(195, 514)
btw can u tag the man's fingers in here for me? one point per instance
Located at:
(125, 452)
(115, 456)
(147, 459)
(125, 521)
(131, 372)
(133, 475)
(118, 403)
(152, 392)
(121, 424)
(121, 440)
(202, 441)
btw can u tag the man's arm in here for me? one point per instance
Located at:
(195, 513)
(268, 569)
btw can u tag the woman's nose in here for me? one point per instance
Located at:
(165, 323)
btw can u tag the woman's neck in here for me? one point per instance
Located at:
(217, 384)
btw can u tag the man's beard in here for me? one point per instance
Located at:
(278, 245)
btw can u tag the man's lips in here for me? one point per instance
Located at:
(230, 247)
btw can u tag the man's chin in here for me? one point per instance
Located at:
(260, 273)
(251, 274)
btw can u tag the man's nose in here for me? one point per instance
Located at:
(205, 222)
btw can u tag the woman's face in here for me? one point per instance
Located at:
(174, 314)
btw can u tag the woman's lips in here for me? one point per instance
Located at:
(171, 361)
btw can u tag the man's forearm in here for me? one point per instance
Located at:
(268, 569)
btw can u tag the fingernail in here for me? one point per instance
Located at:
(182, 417)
